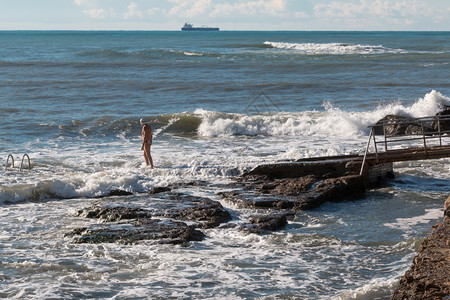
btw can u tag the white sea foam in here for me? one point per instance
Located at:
(407, 224)
(192, 53)
(333, 48)
(331, 122)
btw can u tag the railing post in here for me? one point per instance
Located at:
(29, 164)
(7, 160)
(424, 139)
(365, 153)
(375, 145)
(439, 130)
(385, 138)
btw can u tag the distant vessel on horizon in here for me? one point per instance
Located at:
(190, 27)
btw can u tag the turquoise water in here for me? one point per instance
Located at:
(219, 103)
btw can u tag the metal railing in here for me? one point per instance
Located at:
(29, 163)
(21, 163)
(7, 160)
(426, 130)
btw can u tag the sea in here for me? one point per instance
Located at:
(220, 104)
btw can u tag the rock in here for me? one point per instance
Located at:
(332, 190)
(318, 169)
(116, 192)
(162, 231)
(447, 208)
(293, 186)
(113, 213)
(206, 212)
(296, 193)
(400, 125)
(255, 201)
(429, 277)
(335, 189)
(444, 124)
(267, 223)
(159, 189)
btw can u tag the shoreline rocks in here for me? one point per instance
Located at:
(165, 222)
(275, 191)
(429, 276)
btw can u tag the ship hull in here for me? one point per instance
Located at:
(200, 29)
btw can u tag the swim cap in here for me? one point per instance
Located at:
(142, 121)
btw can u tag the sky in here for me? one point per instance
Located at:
(364, 15)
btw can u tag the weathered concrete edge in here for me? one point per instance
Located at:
(429, 276)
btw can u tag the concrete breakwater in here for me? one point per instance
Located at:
(429, 276)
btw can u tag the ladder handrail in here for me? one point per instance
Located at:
(7, 160)
(29, 163)
(365, 153)
(21, 164)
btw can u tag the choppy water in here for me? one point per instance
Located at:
(219, 103)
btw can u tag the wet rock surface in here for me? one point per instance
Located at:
(204, 211)
(168, 214)
(401, 125)
(163, 219)
(113, 213)
(296, 194)
(429, 277)
(161, 231)
(272, 222)
(442, 120)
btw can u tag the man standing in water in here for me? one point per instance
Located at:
(147, 138)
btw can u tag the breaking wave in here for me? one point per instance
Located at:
(332, 120)
(333, 48)
(207, 123)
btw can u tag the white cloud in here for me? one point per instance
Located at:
(99, 13)
(153, 11)
(79, 2)
(96, 13)
(189, 8)
(92, 10)
(372, 8)
(133, 11)
(271, 7)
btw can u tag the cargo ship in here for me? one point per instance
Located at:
(190, 27)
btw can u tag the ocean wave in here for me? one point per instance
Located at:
(143, 55)
(205, 123)
(332, 48)
(332, 121)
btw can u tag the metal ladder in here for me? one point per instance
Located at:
(21, 164)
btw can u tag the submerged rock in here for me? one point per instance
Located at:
(160, 189)
(113, 213)
(267, 223)
(204, 211)
(161, 231)
(142, 224)
(242, 199)
(116, 192)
